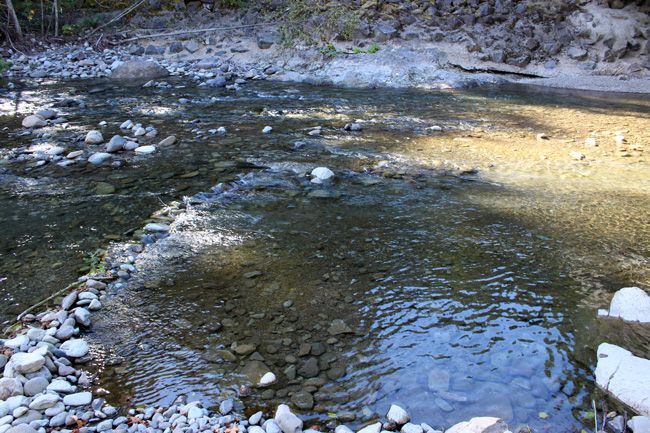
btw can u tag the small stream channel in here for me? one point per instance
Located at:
(465, 294)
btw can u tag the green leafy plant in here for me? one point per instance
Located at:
(357, 50)
(4, 65)
(68, 29)
(329, 50)
(373, 49)
(94, 262)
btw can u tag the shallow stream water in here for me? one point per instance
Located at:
(468, 264)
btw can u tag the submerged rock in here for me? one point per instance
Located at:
(397, 415)
(480, 425)
(624, 376)
(631, 304)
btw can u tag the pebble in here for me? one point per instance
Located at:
(267, 130)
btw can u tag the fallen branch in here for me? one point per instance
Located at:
(187, 32)
(49, 298)
(118, 17)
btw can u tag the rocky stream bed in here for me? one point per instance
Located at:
(350, 252)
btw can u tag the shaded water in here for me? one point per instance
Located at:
(466, 295)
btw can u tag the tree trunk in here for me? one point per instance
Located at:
(13, 19)
(56, 18)
(42, 18)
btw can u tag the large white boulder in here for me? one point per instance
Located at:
(624, 376)
(288, 422)
(631, 304)
(483, 424)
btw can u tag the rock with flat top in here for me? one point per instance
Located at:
(480, 425)
(139, 70)
(624, 376)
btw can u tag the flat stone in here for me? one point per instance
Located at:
(44, 401)
(139, 70)
(145, 150)
(78, 399)
(372, 428)
(480, 425)
(631, 304)
(156, 227)
(168, 141)
(624, 376)
(339, 327)
(27, 362)
(75, 348)
(62, 386)
(98, 158)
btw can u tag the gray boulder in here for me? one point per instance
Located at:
(139, 70)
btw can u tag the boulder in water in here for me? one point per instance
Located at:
(631, 304)
(139, 70)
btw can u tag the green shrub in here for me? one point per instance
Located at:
(373, 49)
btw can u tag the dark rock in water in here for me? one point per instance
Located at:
(216, 82)
(139, 70)
(309, 368)
(303, 400)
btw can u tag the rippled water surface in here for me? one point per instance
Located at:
(466, 264)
